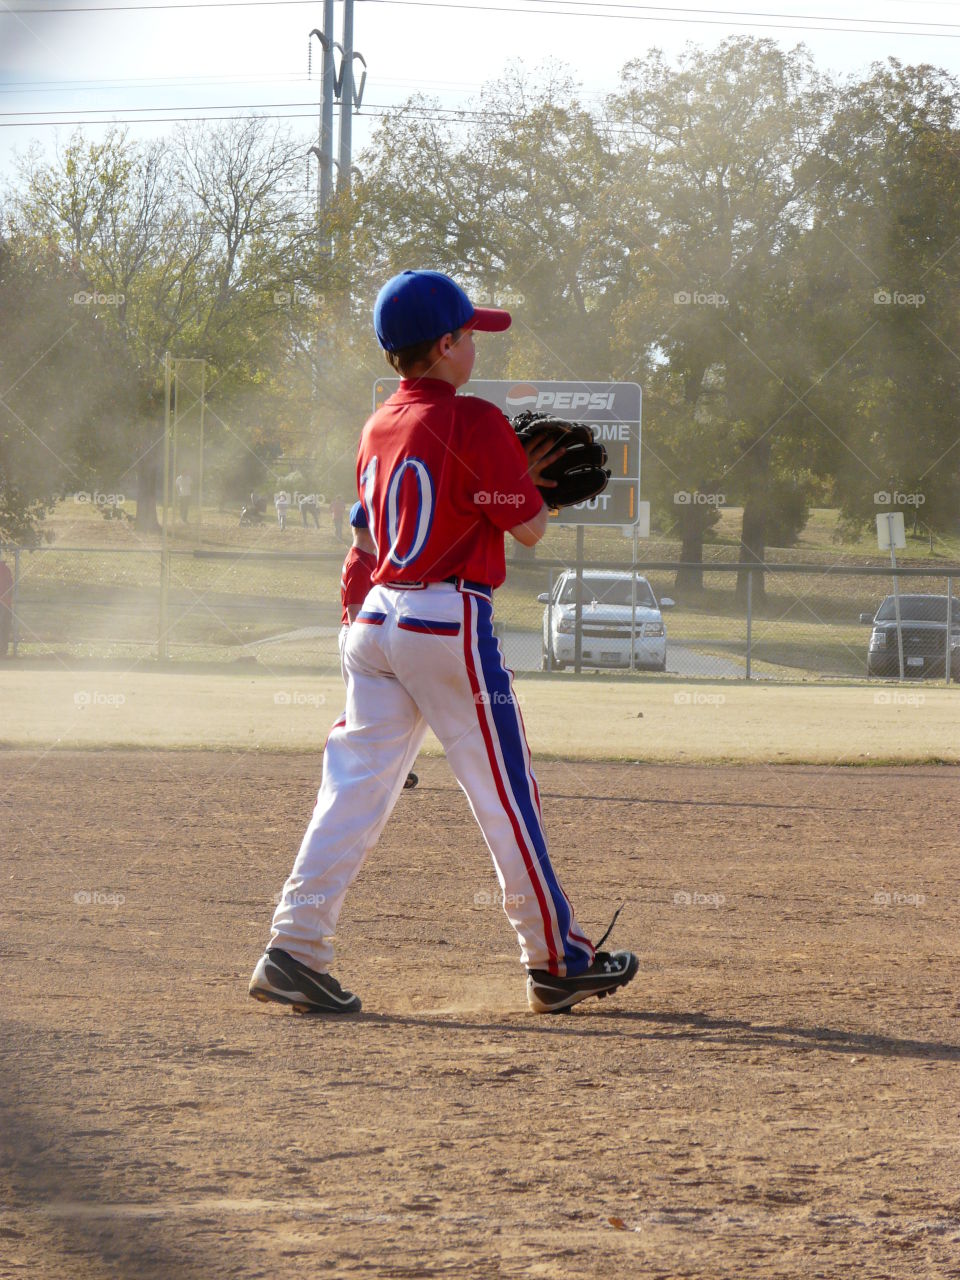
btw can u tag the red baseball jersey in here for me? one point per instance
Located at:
(355, 578)
(441, 478)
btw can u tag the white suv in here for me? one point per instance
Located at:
(610, 613)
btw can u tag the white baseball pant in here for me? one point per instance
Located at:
(415, 657)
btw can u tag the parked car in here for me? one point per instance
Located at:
(607, 616)
(923, 620)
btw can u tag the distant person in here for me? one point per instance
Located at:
(6, 606)
(281, 501)
(308, 507)
(184, 487)
(337, 511)
(355, 582)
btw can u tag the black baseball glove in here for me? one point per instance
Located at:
(580, 471)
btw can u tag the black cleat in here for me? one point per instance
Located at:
(610, 971)
(279, 977)
(410, 781)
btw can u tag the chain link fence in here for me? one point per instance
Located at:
(279, 610)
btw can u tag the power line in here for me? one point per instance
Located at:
(377, 111)
(653, 14)
(447, 115)
(594, 9)
(216, 106)
(199, 82)
(153, 82)
(573, 9)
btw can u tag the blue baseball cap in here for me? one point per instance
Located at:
(358, 517)
(418, 306)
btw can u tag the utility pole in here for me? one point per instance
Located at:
(329, 88)
(327, 77)
(351, 95)
(346, 98)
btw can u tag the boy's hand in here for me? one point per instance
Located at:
(541, 451)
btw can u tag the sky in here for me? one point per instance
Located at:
(56, 67)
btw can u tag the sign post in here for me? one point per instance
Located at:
(578, 607)
(640, 530)
(164, 549)
(890, 534)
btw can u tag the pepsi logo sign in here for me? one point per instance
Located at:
(526, 396)
(522, 396)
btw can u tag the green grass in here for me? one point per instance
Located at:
(601, 718)
(99, 602)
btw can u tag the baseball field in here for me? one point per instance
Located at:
(775, 1095)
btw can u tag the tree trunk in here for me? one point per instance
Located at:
(752, 549)
(690, 577)
(695, 520)
(753, 530)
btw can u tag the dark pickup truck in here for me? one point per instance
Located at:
(923, 622)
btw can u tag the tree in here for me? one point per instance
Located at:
(64, 395)
(884, 253)
(513, 210)
(717, 159)
(190, 243)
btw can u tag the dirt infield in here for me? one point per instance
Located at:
(776, 1095)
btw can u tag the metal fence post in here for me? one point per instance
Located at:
(632, 617)
(896, 591)
(550, 624)
(946, 661)
(203, 405)
(578, 615)
(749, 620)
(633, 604)
(15, 619)
(164, 552)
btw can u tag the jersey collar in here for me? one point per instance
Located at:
(424, 389)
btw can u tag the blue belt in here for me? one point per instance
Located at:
(462, 584)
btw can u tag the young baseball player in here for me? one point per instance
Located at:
(358, 567)
(442, 479)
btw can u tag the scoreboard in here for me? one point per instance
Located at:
(612, 410)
